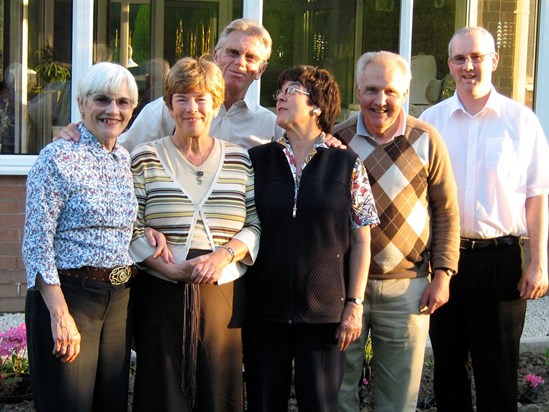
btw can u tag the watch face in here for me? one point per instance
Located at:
(358, 301)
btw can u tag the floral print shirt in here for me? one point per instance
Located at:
(363, 211)
(80, 208)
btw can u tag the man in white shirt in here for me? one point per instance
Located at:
(241, 53)
(499, 156)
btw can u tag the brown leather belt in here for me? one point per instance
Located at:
(115, 276)
(487, 244)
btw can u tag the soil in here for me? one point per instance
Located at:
(533, 363)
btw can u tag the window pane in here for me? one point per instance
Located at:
(181, 28)
(381, 26)
(36, 63)
(434, 23)
(513, 25)
(305, 33)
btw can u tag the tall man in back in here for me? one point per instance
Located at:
(418, 237)
(499, 156)
(241, 53)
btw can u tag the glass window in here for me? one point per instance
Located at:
(145, 36)
(434, 23)
(513, 25)
(311, 32)
(149, 36)
(36, 70)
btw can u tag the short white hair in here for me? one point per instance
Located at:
(105, 77)
(384, 58)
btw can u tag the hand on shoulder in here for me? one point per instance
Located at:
(69, 133)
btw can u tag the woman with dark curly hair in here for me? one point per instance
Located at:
(304, 291)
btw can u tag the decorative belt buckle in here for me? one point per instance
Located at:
(120, 275)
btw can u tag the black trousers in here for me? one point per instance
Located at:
(159, 318)
(270, 349)
(97, 380)
(480, 326)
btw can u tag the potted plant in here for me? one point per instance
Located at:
(14, 366)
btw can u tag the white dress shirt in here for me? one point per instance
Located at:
(500, 157)
(246, 124)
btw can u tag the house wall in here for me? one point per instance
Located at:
(13, 285)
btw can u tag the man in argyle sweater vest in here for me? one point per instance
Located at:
(415, 248)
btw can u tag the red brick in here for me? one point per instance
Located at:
(9, 180)
(12, 221)
(12, 235)
(8, 206)
(8, 276)
(10, 249)
(13, 291)
(8, 262)
(12, 305)
(13, 192)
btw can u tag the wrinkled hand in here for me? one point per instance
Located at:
(350, 327)
(66, 338)
(69, 133)
(332, 141)
(436, 294)
(208, 268)
(157, 240)
(533, 283)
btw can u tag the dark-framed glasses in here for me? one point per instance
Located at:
(102, 100)
(290, 90)
(474, 58)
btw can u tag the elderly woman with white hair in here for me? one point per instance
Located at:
(80, 211)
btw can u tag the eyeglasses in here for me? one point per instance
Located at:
(102, 100)
(290, 90)
(249, 57)
(474, 58)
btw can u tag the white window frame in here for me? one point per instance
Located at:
(83, 46)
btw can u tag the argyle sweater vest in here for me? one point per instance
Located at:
(413, 187)
(300, 274)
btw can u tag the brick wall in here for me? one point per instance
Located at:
(13, 285)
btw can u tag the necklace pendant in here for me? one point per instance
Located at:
(199, 176)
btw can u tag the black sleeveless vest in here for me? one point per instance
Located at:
(300, 274)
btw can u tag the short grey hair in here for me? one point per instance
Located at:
(105, 77)
(383, 58)
(249, 28)
(468, 31)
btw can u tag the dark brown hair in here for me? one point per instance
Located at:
(323, 89)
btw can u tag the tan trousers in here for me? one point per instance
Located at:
(399, 333)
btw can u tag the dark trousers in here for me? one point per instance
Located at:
(480, 326)
(159, 318)
(97, 380)
(270, 348)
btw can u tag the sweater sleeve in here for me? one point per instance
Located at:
(140, 249)
(251, 230)
(443, 204)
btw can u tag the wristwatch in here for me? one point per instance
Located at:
(448, 272)
(356, 301)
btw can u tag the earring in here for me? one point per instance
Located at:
(316, 111)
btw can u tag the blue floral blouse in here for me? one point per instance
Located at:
(80, 208)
